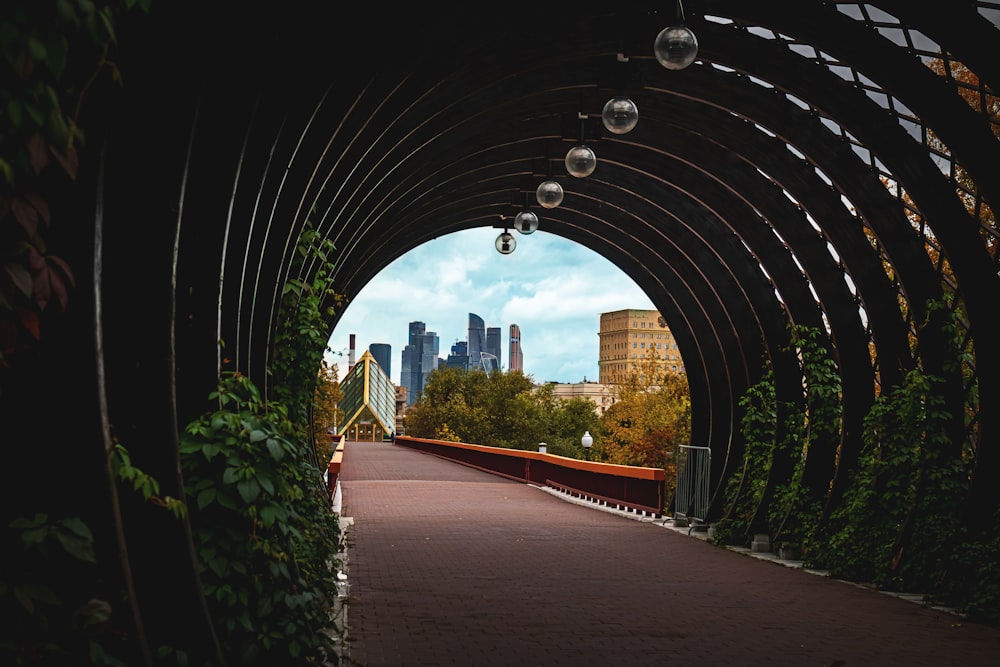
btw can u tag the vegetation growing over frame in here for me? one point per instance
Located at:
(262, 523)
(910, 476)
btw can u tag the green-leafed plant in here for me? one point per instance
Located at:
(56, 608)
(795, 510)
(744, 490)
(263, 529)
(899, 432)
(909, 472)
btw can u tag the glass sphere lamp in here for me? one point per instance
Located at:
(580, 161)
(620, 115)
(526, 221)
(676, 47)
(549, 194)
(505, 243)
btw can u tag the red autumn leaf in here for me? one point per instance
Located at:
(40, 205)
(36, 262)
(63, 267)
(29, 320)
(70, 161)
(38, 151)
(25, 215)
(41, 288)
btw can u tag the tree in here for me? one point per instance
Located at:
(326, 411)
(499, 410)
(650, 418)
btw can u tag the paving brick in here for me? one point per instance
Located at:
(449, 565)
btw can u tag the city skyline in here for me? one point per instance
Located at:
(554, 290)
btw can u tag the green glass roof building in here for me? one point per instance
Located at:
(369, 401)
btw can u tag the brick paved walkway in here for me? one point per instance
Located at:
(448, 565)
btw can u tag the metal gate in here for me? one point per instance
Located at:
(694, 465)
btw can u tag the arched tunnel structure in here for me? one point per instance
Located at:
(821, 164)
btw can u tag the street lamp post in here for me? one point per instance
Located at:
(587, 440)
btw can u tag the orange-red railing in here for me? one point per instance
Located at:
(630, 487)
(333, 465)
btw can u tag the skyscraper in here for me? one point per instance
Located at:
(420, 357)
(459, 357)
(477, 340)
(493, 346)
(516, 359)
(382, 353)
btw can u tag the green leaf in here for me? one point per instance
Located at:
(206, 497)
(276, 450)
(267, 484)
(81, 549)
(272, 512)
(76, 526)
(249, 490)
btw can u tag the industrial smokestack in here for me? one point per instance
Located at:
(350, 355)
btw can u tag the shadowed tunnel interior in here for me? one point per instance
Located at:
(820, 164)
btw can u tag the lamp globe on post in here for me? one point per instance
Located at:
(587, 440)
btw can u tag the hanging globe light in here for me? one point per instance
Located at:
(549, 194)
(620, 115)
(580, 161)
(526, 221)
(505, 243)
(676, 47)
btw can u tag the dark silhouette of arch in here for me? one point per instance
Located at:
(750, 197)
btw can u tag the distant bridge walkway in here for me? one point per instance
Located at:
(451, 565)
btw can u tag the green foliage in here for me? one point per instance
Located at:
(744, 491)
(261, 521)
(302, 335)
(263, 530)
(56, 607)
(498, 410)
(794, 511)
(142, 483)
(649, 420)
(899, 477)
(971, 581)
(325, 411)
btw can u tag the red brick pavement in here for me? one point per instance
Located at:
(448, 565)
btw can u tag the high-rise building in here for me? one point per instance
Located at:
(477, 340)
(516, 359)
(419, 358)
(459, 357)
(631, 338)
(493, 347)
(382, 352)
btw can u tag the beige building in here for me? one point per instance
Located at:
(598, 394)
(629, 338)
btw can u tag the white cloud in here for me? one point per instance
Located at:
(554, 289)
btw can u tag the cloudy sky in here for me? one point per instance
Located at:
(554, 289)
